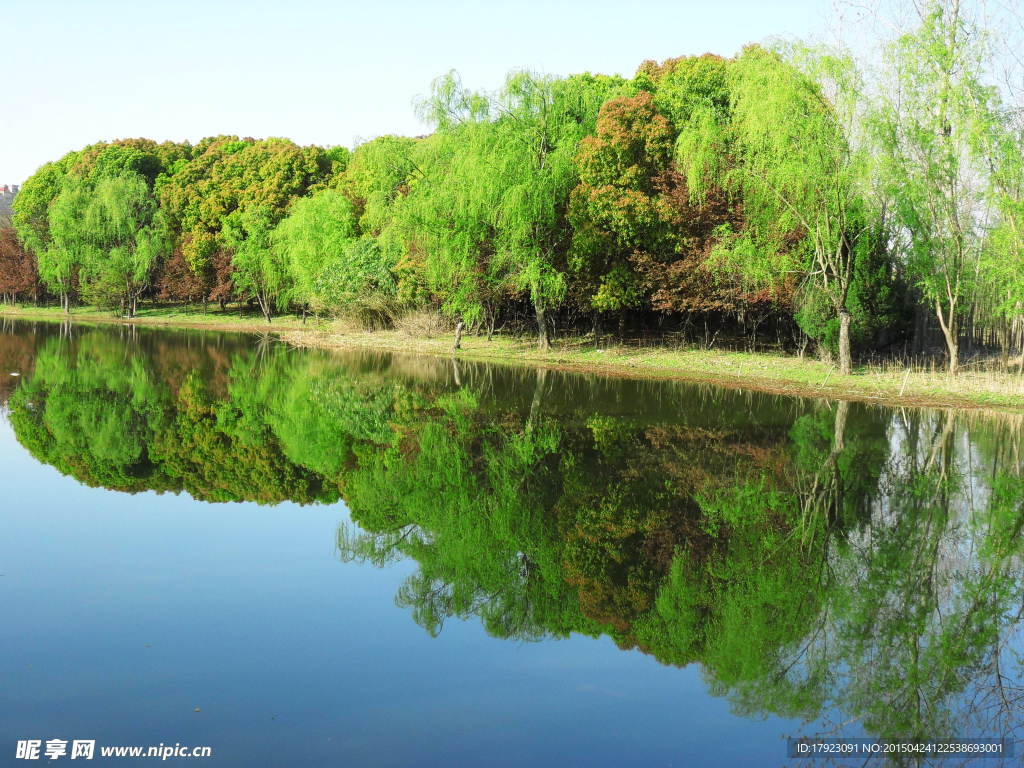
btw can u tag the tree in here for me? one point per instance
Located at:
(225, 175)
(621, 206)
(315, 237)
(259, 267)
(69, 242)
(498, 216)
(933, 112)
(177, 281)
(125, 231)
(18, 274)
(797, 171)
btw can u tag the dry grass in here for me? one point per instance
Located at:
(423, 324)
(976, 387)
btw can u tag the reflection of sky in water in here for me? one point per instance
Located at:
(295, 658)
(829, 555)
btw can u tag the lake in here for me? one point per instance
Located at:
(336, 558)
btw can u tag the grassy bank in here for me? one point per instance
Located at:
(215, 319)
(778, 373)
(884, 383)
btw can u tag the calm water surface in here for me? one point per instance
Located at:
(367, 559)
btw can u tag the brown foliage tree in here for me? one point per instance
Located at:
(18, 273)
(177, 282)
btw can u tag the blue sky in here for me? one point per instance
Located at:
(317, 72)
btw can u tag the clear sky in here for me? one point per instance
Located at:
(317, 72)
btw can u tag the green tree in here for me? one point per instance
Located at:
(333, 269)
(620, 207)
(797, 171)
(126, 232)
(69, 243)
(933, 112)
(497, 221)
(259, 267)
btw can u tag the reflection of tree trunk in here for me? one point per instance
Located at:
(455, 368)
(458, 336)
(842, 411)
(940, 444)
(538, 396)
(826, 490)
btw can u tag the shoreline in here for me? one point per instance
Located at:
(760, 371)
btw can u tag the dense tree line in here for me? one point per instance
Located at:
(859, 202)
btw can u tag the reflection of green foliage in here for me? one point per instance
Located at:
(91, 420)
(98, 409)
(810, 559)
(470, 503)
(224, 452)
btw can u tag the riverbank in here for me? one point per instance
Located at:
(783, 374)
(215, 319)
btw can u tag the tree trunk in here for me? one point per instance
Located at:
(845, 358)
(597, 330)
(543, 339)
(622, 323)
(490, 325)
(952, 334)
(458, 336)
(1003, 331)
(970, 330)
(920, 342)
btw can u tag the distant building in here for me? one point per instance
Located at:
(7, 195)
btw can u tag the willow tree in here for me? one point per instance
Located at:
(68, 244)
(790, 140)
(125, 229)
(507, 170)
(935, 108)
(259, 267)
(314, 234)
(1003, 267)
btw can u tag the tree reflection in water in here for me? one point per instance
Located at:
(854, 567)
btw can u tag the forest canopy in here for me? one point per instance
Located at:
(853, 203)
